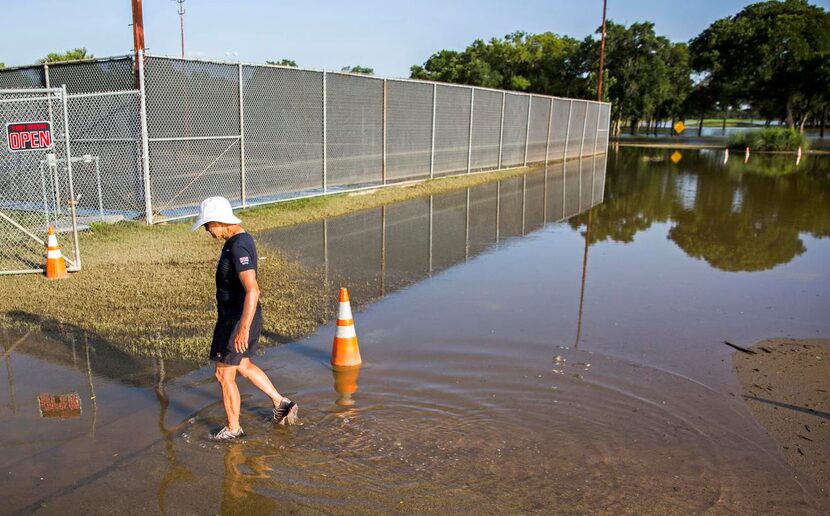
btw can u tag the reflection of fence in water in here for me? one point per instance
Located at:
(378, 251)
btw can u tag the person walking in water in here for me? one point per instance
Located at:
(239, 322)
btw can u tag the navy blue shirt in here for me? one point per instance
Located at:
(238, 255)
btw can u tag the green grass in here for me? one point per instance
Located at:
(150, 289)
(776, 139)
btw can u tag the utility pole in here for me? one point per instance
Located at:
(138, 31)
(181, 21)
(591, 209)
(602, 51)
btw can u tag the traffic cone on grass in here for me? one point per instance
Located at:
(55, 264)
(344, 352)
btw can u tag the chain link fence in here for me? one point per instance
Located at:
(36, 179)
(152, 141)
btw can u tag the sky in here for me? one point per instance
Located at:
(385, 35)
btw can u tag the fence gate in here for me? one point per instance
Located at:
(36, 188)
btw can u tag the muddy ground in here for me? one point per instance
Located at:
(786, 384)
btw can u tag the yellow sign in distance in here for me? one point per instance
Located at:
(679, 127)
(676, 157)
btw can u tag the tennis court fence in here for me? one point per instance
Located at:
(152, 138)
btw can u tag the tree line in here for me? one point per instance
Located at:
(770, 61)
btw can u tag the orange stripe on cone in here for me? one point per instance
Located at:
(345, 352)
(55, 264)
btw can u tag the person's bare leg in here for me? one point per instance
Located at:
(226, 374)
(258, 377)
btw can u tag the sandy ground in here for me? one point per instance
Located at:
(786, 384)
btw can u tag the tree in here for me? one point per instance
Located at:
(69, 55)
(2, 65)
(770, 56)
(283, 62)
(538, 63)
(358, 69)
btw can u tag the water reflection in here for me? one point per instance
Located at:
(239, 495)
(730, 215)
(382, 250)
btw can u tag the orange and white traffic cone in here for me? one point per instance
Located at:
(55, 264)
(344, 352)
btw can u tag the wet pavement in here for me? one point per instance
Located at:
(507, 366)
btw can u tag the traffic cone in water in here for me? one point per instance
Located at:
(344, 352)
(55, 264)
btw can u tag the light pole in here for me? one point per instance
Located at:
(181, 21)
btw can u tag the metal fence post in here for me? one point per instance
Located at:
(547, 156)
(46, 81)
(145, 145)
(527, 128)
(383, 172)
(72, 199)
(432, 145)
(501, 123)
(242, 179)
(568, 131)
(325, 131)
(584, 125)
(596, 132)
(470, 141)
(550, 122)
(565, 159)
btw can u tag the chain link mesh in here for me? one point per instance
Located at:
(35, 185)
(262, 133)
(538, 135)
(452, 129)
(559, 128)
(409, 126)
(576, 129)
(591, 121)
(283, 131)
(354, 130)
(486, 129)
(515, 130)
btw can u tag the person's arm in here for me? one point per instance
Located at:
(249, 283)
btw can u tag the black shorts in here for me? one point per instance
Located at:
(222, 349)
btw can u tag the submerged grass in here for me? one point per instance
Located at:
(149, 290)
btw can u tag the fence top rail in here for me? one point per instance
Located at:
(33, 91)
(70, 62)
(101, 94)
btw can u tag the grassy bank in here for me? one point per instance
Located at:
(774, 139)
(150, 289)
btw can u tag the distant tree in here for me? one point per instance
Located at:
(69, 55)
(283, 62)
(772, 56)
(358, 69)
(538, 63)
(2, 65)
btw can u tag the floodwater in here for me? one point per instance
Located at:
(507, 365)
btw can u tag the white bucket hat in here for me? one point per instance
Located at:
(215, 209)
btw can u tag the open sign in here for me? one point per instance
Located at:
(26, 136)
